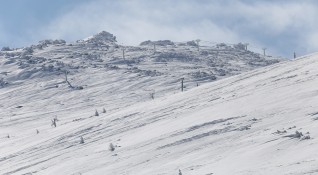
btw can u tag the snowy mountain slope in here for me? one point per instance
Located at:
(167, 63)
(98, 61)
(226, 127)
(244, 124)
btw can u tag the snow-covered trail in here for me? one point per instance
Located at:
(225, 127)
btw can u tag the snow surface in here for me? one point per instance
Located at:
(242, 124)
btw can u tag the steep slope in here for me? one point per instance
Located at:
(240, 125)
(244, 124)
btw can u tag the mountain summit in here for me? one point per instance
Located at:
(101, 38)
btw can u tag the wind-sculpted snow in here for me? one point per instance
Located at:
(184, 60)
(231, 118)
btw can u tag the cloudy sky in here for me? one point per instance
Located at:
(278, 25)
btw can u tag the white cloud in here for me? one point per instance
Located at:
(276, 17)
(2, 36)
(312, 41)
(263, 23)
(135, 21)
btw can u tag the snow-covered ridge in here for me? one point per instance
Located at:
(240, 113)
(168, 60)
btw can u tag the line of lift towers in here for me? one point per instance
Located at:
(198, 46)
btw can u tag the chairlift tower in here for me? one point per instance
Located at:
(198, 41)
(264, 51)
(246, 44)
(123, 52)
(182, 84)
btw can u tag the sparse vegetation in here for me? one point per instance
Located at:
(69, 84)
(299, 135)
(280, 132)
(152, 95)
(5, 49)
(107, 86)
(3, 83)
(54, 120)
(111, 147)
(82, 140)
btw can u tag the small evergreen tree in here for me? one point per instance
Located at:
(111, 147)
(152, 95)
(82, 140)
(104, 110)
(96, 113)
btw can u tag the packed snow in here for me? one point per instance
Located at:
(97, 107)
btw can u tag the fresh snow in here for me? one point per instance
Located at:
(239, 120)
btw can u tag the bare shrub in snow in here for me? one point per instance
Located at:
(239, 46)
(3, 83)
(201, 75)
(243, 128)
(158, 43)
(280, 132)
(299, 135)
(27, 50)
(192, 43)
(296, 135)
(60, 41)
(69, 84)
(305, 137)
(49, 41)
(144, 43)
(5, 49)
(292, 127)
(54, 120)
(79, 87)
(66, 72)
